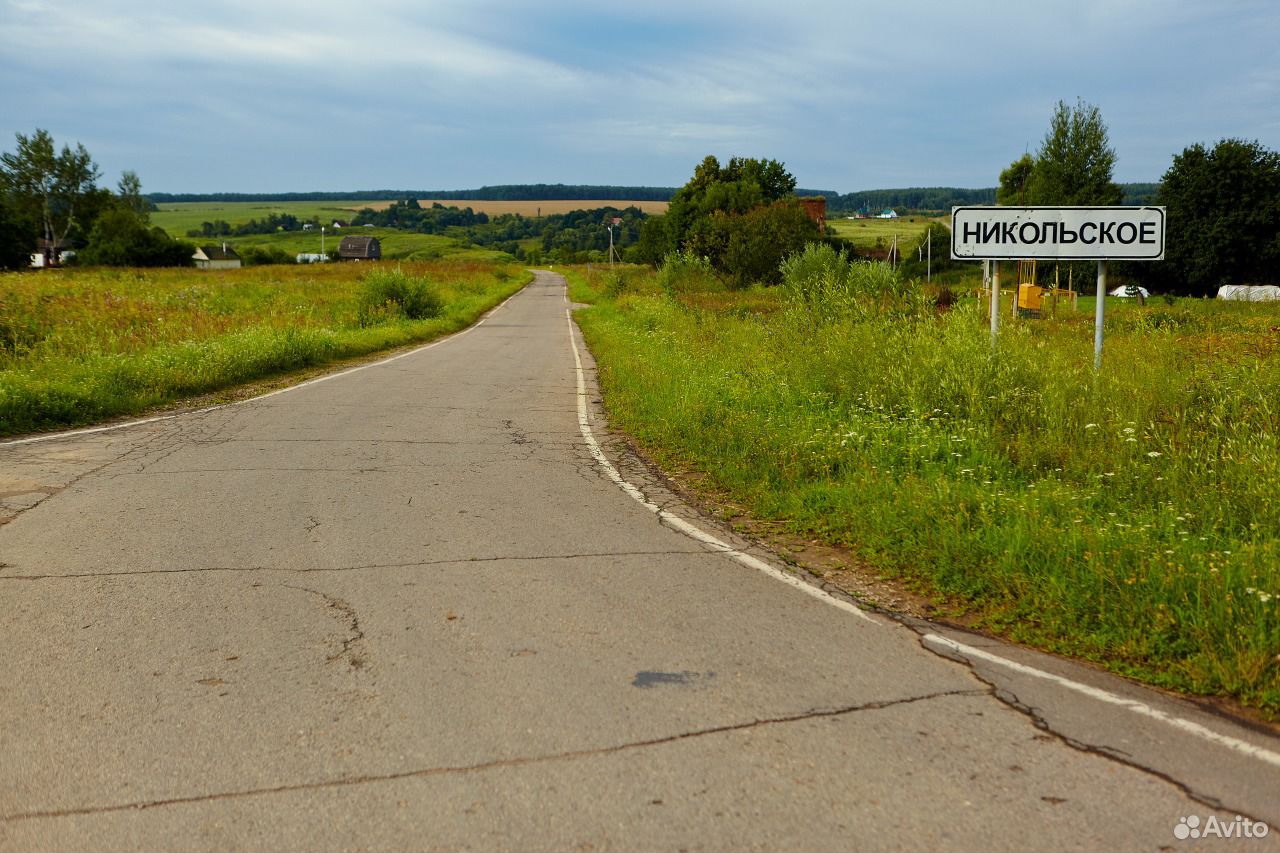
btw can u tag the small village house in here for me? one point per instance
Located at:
(359, 249)
(216, 258)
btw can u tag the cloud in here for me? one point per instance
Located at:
(861, 94)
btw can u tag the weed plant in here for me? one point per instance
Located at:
(1129, 517)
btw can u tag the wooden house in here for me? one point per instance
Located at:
(359, 249)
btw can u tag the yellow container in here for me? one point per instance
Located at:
(1030, 297)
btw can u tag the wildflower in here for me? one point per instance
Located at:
(1264, 597)
(1129, 430)
(1090, 426)
(1154, 453)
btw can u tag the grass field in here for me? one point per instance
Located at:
(78, 346)
(177, 218)
(396, 244)
(1129, 517)
(873, 233)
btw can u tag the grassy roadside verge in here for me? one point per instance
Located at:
(1132, 519)
(80, 346)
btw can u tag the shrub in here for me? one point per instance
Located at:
(686, 272)
(262, 255)
(390, 295)
(120, 238)
(824, 283)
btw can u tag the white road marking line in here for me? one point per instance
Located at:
(678, 523)
(1133, 705)
(54, 436)
(1140, 708)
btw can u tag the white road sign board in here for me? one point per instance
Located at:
(1057, 233)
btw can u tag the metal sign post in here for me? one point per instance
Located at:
(995, 301)
(1061, 234)
(1099, 314)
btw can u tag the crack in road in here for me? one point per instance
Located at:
(367, 567)
(51, 491)
(1037, 719)
(496, 764)
(346, 614)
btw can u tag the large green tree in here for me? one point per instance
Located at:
(1222, 218)
(47, 186)
(1015, 182)
(1073, 165)
(1075, 160)
(742, 216)
(121, 238)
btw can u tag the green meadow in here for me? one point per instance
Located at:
(179, 217)
(879, 233)
(1129, 517)
(78, 346)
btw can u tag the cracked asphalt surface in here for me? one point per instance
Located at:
(405, 609)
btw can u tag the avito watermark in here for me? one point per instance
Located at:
(1242, 827)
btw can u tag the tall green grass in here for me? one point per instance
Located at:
(77, 346)
(1130, 517)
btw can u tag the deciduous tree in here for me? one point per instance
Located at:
(49, 185)
(1222, 218)
(1074, 163)
(1015, 182)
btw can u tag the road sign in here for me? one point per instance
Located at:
(1057, 233)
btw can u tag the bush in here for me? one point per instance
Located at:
(686, 272)
(390, 295)
(262, 255)
(120, 238)
(825, 283)
(756, 242)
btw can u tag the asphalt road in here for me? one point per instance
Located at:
(413, 606)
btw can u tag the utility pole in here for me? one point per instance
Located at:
(323, 256)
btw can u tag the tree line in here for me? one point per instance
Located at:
(574, 236)
(1222, 202)
(50, 203)
(272, 223)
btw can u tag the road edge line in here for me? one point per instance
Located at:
(674, 521)
(1105, 696)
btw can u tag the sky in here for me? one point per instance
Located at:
(293, 96)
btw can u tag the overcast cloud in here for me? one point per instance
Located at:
(299, 96)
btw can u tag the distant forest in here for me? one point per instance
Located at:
(509, 192)
(866, 201)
